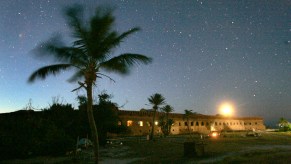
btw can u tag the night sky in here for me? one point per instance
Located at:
(204, 53)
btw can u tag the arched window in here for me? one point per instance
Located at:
(140, 123)
(129, 123)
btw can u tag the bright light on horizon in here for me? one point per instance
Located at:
(226, 109)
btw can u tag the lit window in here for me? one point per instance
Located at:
(129, 123)
(119, 123)
(156, 122)
(140, 123)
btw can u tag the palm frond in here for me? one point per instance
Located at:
(122, 63)
(100, 49)
(125, 34)
(101, 23)
(100, 32)
(55, 48)
(98, 75)
(43, 72)
(167, 109)
(156, 99)
(77, 76)
(79, 31)
(111, 41)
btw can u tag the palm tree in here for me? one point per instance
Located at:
(187, 114)
(89, 55)
(156, 100)
(284, 125)
(167, 109)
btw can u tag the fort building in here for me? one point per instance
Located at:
(140, 122)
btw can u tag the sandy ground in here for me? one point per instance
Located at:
(116, 155)
(248, 149)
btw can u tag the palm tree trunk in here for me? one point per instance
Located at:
(153, 126)
(92, 124)
(190, 134)
(167, 124)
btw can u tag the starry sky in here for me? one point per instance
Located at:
(204, 53)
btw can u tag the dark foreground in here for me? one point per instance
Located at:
(270, 147)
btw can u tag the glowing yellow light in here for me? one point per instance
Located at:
(214, 134)
(226, 109)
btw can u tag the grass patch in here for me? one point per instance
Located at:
(260, 156)
(274, 147)
(229, 149)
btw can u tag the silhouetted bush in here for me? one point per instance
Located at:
(56, 141)
(52, 131)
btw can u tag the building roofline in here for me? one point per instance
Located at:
(180, 115)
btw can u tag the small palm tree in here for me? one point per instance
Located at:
(156, 100)
(187, 114)
(284, 125)
(90, 53)
(167, 109)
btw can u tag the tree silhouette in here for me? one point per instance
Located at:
(156, 100)
(284, 125)
(167, 123)
(89, 55)
(187, 114)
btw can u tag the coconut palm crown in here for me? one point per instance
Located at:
(167, 109)
(89, 54)
(156, 100)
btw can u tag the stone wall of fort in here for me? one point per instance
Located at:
(140, 122)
